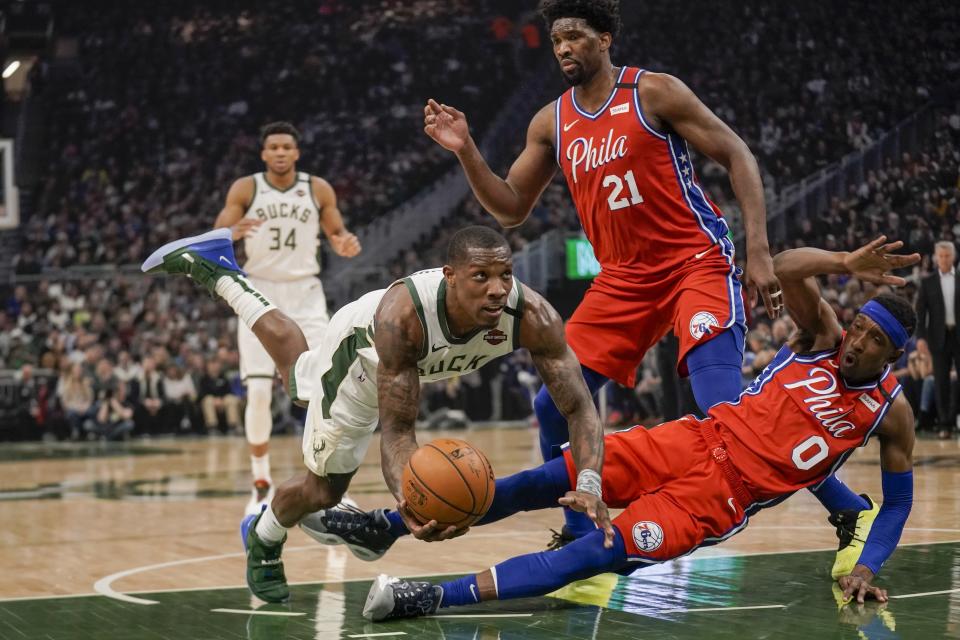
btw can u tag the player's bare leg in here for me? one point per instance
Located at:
(208, 260)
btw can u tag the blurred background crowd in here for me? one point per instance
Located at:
(154, 111)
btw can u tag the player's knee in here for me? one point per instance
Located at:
(320, 493)
(258, 423)
(586, 556)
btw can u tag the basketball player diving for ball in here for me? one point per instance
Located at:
(691, 482)
(432, 325)
(279, 214)
(621, 136)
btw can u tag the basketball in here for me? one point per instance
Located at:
(449, 481)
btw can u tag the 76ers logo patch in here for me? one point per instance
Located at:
(495, 337)
(648, 536)
(702, 324)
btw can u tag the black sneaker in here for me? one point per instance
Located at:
(391, 598)
(561, 539)
(366, 533)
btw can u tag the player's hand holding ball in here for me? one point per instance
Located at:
(447, 486)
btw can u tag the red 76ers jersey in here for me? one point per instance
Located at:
(799, 421)
(634, 188)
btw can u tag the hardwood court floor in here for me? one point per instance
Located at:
(161, 516)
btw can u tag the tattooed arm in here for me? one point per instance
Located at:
(399, 338)
(541, 333)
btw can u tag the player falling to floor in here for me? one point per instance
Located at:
(279, 213)
(432, 325)
(691, 482)
(622, 137)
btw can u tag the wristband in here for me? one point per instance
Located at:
(588, 481)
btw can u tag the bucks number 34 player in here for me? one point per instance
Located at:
(279, 213)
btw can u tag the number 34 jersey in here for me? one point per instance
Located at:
(634, 187)
(799, 421)
(285, 246)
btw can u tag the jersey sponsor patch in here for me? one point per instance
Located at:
(702, 324)
(648, 536)
(495, 337)
(872, 404)
(620, 108)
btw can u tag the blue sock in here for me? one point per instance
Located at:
(529, 490)
(536, 574)
(714, 368)
(554, 433)
(397, 528)
(459, 592)
(836, 496)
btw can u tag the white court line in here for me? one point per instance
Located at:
(378, 635)
(758, 606)
(927, 593)
(104, 588)
(109, 579)
(480, 615)
(254, 612)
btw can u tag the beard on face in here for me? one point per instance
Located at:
(574, 78)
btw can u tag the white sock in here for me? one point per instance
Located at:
(261, 467)
(269, 528)
(246, 301)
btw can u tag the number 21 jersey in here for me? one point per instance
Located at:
(634, 187)
(284, 247)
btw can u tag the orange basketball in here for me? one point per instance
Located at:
(449, 481)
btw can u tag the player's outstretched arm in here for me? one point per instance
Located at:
(511, 200)
(541, 333)
(896, 463)
(670, 101)
(238, 199)
(797, 270)
(342, 241)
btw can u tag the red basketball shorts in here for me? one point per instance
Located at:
(619, 320)
(675, 497)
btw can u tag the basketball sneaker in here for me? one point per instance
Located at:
(204, 258)
(265, 575)
(853, 527)
(391, 598)
(561, 539)
(260, 496)
(366, 533)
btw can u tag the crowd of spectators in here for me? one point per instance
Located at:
(161, 112)
(141, 158)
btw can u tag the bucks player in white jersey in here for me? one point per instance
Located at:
(279, 214)
(435, 324)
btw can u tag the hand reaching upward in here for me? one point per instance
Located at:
(447, 126)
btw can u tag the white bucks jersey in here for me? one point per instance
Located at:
(444, 355)
(285, 246)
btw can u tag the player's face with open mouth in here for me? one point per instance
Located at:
(865, 350)
(280, 152)
(484, 283)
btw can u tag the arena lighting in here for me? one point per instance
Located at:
(11, 69)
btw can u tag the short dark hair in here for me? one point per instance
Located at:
(899, 308)
(475, 237)
(275, 128)
(601, 15)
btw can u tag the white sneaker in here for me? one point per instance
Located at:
(260, 496)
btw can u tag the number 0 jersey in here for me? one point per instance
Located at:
(285, 246)
(799, 421)
(634, 188)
